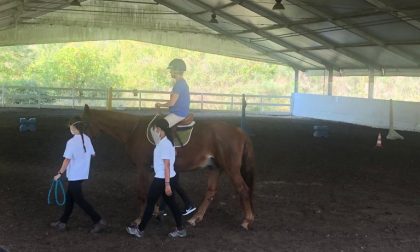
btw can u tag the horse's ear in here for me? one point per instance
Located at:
(85, 116)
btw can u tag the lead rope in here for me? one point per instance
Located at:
(57, 183)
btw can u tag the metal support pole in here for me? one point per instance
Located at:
(330, 81)
(296, 81)
(371, 83)
(292, 104)
(201, 101)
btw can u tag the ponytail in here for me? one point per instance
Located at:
(83, 140)
(80, 126)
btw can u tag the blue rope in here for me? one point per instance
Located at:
(57, 183)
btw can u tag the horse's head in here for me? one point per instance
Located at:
(93, 129)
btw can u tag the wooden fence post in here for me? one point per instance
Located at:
(3, 90)
(73, 94)
(139, 100)
(231, 103)
(109, 99)
(38, 92)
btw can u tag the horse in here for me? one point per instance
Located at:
(218, 146)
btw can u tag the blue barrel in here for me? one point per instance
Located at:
(321, 131)
(27, 124)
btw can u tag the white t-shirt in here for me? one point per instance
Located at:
(164, 150)
(78, 168)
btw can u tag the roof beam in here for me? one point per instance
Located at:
(306, 21)
(354, 45)
(261, 33)
(18, 7)
(249, 44)
(394, 12)
(252, 6)
(8, 5)
(357, 31)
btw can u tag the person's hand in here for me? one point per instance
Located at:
(158, 106)
(168, 190)
(56, 177)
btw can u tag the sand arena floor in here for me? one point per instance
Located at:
(334, 194)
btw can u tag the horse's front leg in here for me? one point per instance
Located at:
(144, 182)
(208, 198)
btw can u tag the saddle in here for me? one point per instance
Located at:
(181, 131)
(187, 121)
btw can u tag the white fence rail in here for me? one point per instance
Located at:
(47, 97)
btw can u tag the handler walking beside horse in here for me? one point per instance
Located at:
(163, 182)
(76, 164)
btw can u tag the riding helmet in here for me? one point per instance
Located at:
(177, 65)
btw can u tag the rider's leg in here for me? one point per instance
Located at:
(173, 119)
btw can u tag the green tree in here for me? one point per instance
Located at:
(15, 61)
(77, 65)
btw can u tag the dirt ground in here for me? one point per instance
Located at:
(311, 194)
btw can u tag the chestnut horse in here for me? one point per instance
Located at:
(217, 144)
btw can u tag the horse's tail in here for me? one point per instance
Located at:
(248, 166)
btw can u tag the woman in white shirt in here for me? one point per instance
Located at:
(76, 164)
(163, 182)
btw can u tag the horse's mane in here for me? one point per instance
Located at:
(121, 117)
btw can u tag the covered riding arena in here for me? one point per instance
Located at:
(335, 193)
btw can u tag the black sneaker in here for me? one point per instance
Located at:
(189, 210)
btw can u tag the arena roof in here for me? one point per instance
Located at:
(348, 36)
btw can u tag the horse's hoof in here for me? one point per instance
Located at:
(246, 225)
(135, 223)
(192, 222)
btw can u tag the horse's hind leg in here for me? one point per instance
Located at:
(209, 197)
(245, 197)
(142, 195)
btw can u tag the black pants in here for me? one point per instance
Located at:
(157, 190)
(75, 194)
(180, 191)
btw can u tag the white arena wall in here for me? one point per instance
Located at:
(362, 111)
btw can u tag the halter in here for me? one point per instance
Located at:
(148, 127)
(75, 123)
